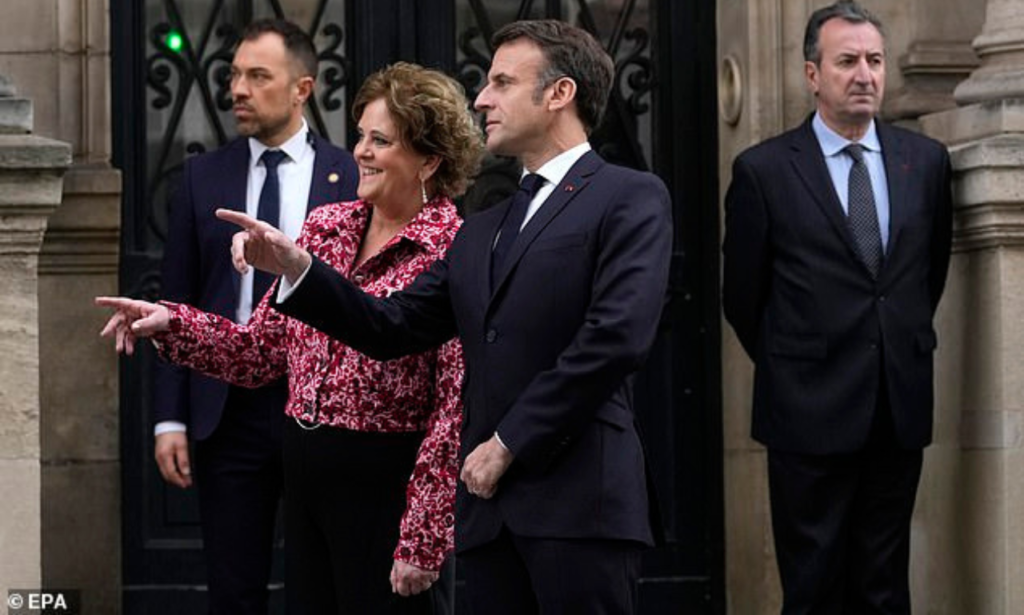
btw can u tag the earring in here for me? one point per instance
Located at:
(423, 192)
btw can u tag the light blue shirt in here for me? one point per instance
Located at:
(839, 165)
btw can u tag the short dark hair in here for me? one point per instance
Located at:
(570, 52)
(847, 10)
(298, 44)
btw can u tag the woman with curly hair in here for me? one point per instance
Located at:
(371, 455)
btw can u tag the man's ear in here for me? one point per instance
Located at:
(563, 93)
(811, 73)
(303, 89)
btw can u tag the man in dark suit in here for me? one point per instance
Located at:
(836, 249)
(237, 432)
(556, 296)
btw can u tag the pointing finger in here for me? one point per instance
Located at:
(238, 252)
(236, 217)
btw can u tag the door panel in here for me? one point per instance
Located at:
(661, 118)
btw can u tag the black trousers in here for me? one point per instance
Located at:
(344, 500)
(516, 575)
(842, 526)
(239, 474)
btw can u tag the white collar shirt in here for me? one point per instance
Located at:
(295, 177)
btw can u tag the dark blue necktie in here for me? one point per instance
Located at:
(269, 211)
(528, 188)
(862, 215)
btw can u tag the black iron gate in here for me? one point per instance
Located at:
(171, 99)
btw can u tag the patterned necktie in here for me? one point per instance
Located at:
(513, 220)
(269, 211)
(862, 216)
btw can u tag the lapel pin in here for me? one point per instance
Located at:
(333, 178)
(569, 188)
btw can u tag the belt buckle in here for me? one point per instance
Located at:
(307, 425)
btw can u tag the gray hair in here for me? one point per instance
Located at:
(848, 11)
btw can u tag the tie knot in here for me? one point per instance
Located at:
(856, 151)
(272, 157)
(531, 184)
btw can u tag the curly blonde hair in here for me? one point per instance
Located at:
(431, 113)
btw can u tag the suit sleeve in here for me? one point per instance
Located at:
(942, 235)
(180, 283)
(628, 291)
(746, 255)
(413, 320)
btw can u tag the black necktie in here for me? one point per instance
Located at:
(269, 211)
(862, 216)
(528, 188)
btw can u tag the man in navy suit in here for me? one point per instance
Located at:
(836, 248)
(237, 432)
(556, 295)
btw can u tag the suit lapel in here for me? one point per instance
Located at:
(574, 182)
(896, 167)
(490, 222)
(237, 186)
(322, 189)
(809, 164)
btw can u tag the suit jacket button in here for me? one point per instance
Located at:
(491, 336)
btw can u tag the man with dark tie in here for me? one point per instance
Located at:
(556, 295)
(277, 171)
(837, 242)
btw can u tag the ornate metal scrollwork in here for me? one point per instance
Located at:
(338, 74)
(158, 66)
(637, 70)
(472, 70)
(221, 75)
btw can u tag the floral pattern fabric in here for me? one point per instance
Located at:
(336, 386)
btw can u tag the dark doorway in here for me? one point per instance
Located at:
(170, 100)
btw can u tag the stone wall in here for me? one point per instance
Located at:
(57, 54)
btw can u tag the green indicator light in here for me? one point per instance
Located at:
(174, 41)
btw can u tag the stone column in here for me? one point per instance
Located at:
(931, 70)
(937, 57)
(79, 426)
(980, 425)
(1001, 49)
(31, 170)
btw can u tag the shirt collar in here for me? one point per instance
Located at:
(832, 143)
(297, 146)
(428, 229)
(554, 170)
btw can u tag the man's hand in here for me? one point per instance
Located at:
(172, 457)
(132, 319)
(409, 580)
(485, 466)
(264, 247)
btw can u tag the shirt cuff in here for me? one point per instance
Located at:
(286, 288)
(498, 438)
(169, 427)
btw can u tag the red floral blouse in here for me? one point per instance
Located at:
(332, 384)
